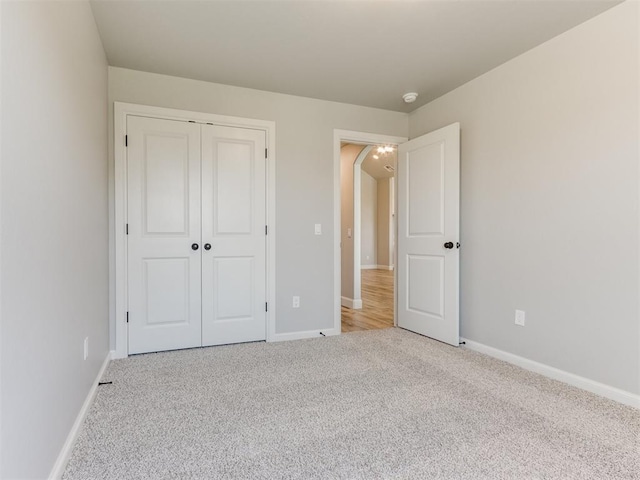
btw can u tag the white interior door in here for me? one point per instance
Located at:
(428, 234)
(163, 169)
(233, 235)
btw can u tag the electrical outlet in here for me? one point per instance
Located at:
(296, 302)
(520, 317)
(86, 347)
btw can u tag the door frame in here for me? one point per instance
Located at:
(118, 289)
(340, 136)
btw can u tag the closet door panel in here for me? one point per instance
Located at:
(233, 224)
(234, 177)
(164, 290)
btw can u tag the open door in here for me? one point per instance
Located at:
(428, 262)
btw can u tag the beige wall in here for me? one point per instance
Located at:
(368, 221)
(348, 155)
(304, 175)
(549, 201)
(54, 226)
(385, 222)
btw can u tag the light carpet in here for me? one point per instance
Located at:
(385, 404)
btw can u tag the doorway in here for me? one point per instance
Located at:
(367, 235)
(427, 230)
(348, 239)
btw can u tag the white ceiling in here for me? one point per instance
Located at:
(360, 52)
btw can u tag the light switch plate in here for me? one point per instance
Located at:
(318, 229)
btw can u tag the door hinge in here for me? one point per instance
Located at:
(266, 153)
(126, 229)
(266, 230)
(127, 317)
(126, 140)
(266, 307)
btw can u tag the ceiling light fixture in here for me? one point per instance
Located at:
(410, 97)
(383, 150)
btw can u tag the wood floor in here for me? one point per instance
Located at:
(377, 303)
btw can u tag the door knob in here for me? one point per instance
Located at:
(194, 246)
(448, 245)
(207, 246)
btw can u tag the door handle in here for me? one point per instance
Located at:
(207, 246)
(448, 245)
(194, 246)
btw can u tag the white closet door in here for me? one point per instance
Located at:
(233, 235)
(163, 168)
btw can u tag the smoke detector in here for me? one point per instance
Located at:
(410, 97)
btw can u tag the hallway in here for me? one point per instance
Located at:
(377, 303)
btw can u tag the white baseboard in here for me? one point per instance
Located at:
(61, 462)
(607, 391)
(281, 337)
(351, 303)
(116, 355)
